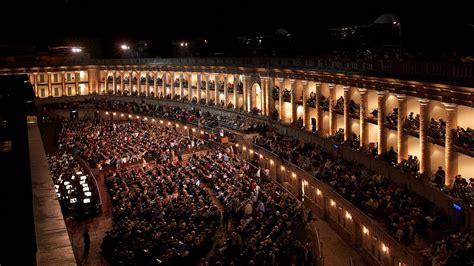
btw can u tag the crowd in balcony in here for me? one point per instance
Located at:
(76, 190)
(392, 117)
(464, 138)
(406, 214)
(311, 100)
(286, 95)
(454, 249)
(324, 102)
(276, 93)
(437, 129)
(211, 85)
(413, 122)
(411, 165)
(339, 106)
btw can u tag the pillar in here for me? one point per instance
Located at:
(147, 88)
(332, 114)
(130, 81)
(50, 91)
(105, 84)
(450, 154)
(216, 90)
(226, 80)
(245, 80)
(173, 78)
(139, 82)
(181, 87)
(363, 131)
(271, 101)
(347, 118)
(155, 83)
(78, 92)
(206, 79)
(306, 116)
(163, 85)
(190, 86)
(319, 111)
(198, 86)
(122, 76)
(63, 83)
(236, 94)
(280, 98)
(114, 82)
(35, 75)
(402, 140)
(380, 120)
(424, 145)
(294, 106)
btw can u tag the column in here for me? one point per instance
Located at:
(35, 75)
(130, 81)
(450, 154)
(114, 82)
(181, 87)
(147, 88)
(347, 118)
(280, 98)
(190, 86)
(424, 145)
(306, 116)
(332, 114)
(155, 84)
(122, 76)
(267, 95)
(173, 78)
(236, 94)
(50, 92)
(77, 83)
(163, 85)
(271, 101)
(245, 80)
(105, 83)
(139, 82)
(225, 90)
(206, 79)
(63, 83)
(402, 140)
(364, 135)
(294, 106)
(198, 87)
(319, 111)
(216, 90)
(380, 119)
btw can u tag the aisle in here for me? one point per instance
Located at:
(97, 227)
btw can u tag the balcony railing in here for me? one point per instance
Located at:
(445, 72)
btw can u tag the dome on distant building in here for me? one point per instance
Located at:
(386, 19)
(282, 32)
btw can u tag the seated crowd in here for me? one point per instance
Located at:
(406, 214)
(76, 190)
(162, 212)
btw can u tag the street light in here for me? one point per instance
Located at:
(125, 47)
(76, 50)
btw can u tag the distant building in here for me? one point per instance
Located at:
(384, 34)
(276, 44)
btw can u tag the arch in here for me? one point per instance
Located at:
(257, 96)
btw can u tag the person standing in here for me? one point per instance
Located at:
(87, 242)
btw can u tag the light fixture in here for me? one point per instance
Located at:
(333, 203)
(318, 192)
(384, 248)
(365, 230)
(125, 47)
(271, 162)
(348, 215)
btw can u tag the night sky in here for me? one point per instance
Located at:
(158, 22)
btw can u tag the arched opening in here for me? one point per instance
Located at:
(257, 101)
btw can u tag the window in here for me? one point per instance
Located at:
(69, 90)
(68, 76)
(55, 77)
(41, 78)
(42, 94)
(56, 91)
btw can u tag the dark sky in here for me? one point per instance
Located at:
(158, 22)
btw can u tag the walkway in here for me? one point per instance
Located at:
(97, 227)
